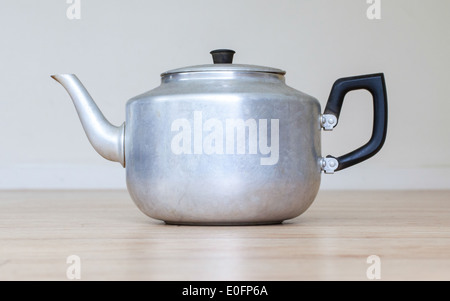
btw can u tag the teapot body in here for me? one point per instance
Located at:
(226, 144)
(223, 149)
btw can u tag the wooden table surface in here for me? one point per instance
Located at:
(408, 231)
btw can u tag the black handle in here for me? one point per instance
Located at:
(223, 56)
(376, 85)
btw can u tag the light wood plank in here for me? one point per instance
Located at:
(408, 230)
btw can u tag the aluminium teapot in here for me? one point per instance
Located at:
(224, 143)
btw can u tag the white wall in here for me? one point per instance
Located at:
(119, 48)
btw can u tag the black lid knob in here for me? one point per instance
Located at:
(223, 56)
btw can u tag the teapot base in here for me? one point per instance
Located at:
(175, 223)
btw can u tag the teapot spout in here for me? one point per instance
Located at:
(107, 139)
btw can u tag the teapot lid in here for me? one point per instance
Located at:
(223, 61)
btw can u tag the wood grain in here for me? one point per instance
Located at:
(409, 231)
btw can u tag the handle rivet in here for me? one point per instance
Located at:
(328, 122)
(329, 164)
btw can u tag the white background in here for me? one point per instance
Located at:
(119, 48)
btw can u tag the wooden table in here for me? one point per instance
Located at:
(408, 231)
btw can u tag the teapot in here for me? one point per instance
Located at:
(224, 143)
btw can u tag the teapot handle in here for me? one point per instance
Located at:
(376, 85)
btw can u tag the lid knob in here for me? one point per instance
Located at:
(223, 56)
